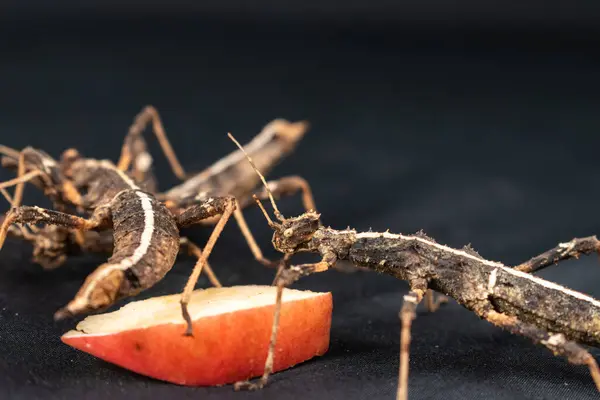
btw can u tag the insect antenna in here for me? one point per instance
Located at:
(278, 214)
(262, 208)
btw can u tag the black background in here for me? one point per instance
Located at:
(479, 125)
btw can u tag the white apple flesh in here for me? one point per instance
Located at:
(232, 328)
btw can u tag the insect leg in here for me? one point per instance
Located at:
(243, 226)
(34, 215)
(557, 343)
(20, 232)
(433, 302)
(197, 252)
(285, 277)
(21, 185)
(407, 315)
(54, 240)
(288, 186)
(211, 207)
(564, 251)
(50, 243)
(43, 172)
(10, 152)
(24, 178)
(15, 201)
(141, 161)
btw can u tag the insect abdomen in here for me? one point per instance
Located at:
(146, 239)
(546, 304)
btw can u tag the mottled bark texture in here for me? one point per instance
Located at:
(130, 227)
(481, 285)
(547, 313)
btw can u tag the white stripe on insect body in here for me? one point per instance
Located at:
(140, 251)
(553, 286)
(496, 265)
(461, 253)
(492, 281)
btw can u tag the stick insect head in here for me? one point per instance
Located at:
(294, 234)
(290, 234)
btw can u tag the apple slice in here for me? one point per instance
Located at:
(232, 327)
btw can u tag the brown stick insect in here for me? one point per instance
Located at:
(145, 232)
(191, 202)
(545, 312)
(228, 176)
(53, 244)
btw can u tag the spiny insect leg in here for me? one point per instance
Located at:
(247, 385)
(407, 315)
(34, 215)
(564, 251)
(433, 302)
(557, 343)
(21, 231)
(285, 277)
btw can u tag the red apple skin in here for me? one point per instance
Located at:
(225, 348)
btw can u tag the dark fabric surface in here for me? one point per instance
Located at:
(484, 139)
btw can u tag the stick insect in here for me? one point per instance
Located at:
(276, 140)
(51, 244)
(145, 232)
(229, 176)
(510, 298)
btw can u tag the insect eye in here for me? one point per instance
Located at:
(288, 232)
